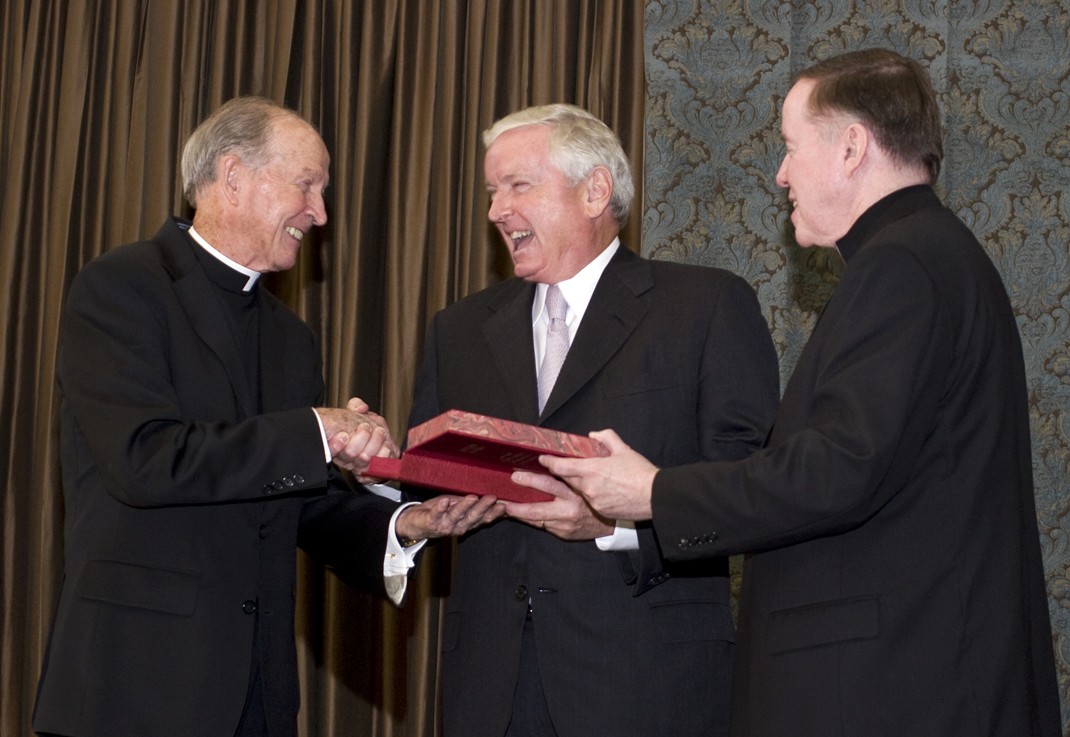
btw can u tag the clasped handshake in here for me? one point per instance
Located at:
(355, 435)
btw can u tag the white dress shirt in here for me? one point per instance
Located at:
(578, 291)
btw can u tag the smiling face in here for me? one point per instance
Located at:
(813, 172)
(279, 202)
(551, 228)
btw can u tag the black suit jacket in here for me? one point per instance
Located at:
(678, 360)
(896, 585)
(183, 506)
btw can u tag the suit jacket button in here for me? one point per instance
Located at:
(521, 592)
(268, 489)
(299, 479)
(288, 481)
(248, 606)
(684, 543)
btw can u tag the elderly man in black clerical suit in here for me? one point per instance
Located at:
(894, 584)
(560, 621)
(194, 462)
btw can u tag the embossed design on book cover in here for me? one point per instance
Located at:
(511, 443)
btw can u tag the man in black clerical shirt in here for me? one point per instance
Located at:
(894, 582)
(196, 458)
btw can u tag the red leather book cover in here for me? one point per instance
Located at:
(466, 453)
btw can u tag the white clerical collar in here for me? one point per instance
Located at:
(577, 290)
(253, 275)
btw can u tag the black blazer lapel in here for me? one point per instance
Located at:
(196, 293)
(508, 332)
(613, 314)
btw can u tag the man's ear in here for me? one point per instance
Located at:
(230, 177)
(599, 189)
(856, 144)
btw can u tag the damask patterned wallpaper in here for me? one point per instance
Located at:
(717, 71)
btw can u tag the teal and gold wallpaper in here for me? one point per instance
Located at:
(717, 71)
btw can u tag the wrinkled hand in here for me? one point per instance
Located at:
(447, 516)
(568, 516)
(618, 486)
(355, 435)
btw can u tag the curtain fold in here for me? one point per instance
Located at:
(96, 100)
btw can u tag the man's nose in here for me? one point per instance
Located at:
(499, 207)
(781, 173)
(317, 209)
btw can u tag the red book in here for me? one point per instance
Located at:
(465, 453)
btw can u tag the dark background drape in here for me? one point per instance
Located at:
(96, 100)
(97, 97)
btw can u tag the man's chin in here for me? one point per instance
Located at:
(803, 239)
(280, 265)
(523, 271)
(807, 240)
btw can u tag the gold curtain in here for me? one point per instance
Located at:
(96, 99)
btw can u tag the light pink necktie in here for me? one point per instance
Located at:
(556, 343)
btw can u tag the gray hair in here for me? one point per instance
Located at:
(579, 142)
(242, 126)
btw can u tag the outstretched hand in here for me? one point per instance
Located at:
(618, 486)
(447, 515)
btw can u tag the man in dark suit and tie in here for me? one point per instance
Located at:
(894, 584)
(194, 462)
(562, 622)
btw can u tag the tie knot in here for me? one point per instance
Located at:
(556, 306)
